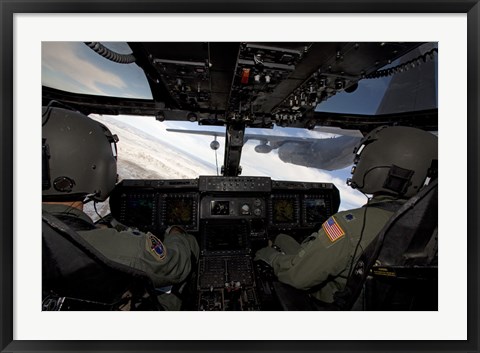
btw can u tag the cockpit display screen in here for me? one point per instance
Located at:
(315, 210)
(139, 212)
(283, 210)
(225, 237)
(179, 211)
(220, 208)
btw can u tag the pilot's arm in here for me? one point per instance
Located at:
(168, 262)
(319, 256)
(325, 253)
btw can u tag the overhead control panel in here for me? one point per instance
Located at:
(261, 67)
(257, 83)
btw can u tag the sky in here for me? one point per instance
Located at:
(74, 67)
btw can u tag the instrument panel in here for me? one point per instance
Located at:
(231, 218)
(264, 204)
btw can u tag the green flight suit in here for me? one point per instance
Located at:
(133, 248)
(323, 259)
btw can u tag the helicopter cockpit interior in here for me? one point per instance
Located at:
(239, 88)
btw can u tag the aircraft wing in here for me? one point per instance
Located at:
(275, 140)
(198, 132)
(329, 153)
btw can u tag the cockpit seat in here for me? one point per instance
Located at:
(404, 275)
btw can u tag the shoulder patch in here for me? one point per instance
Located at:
(155, 247)
(349, 217)
(332, 229)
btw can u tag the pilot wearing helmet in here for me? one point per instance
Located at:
(392, 164)
(79, 163)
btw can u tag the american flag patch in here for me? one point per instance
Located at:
(332, 229)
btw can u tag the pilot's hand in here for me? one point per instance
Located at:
(266, 254)
(174, 230)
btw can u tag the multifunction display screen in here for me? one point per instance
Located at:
(220, 237)
(315, 210)
(284, 210)
(179, 211)
(139, 211)
(219, 208)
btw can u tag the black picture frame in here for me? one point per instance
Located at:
(10, 7)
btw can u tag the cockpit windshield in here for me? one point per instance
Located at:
(74, 67)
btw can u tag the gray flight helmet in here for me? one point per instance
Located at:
(79, 157)
(396, 160)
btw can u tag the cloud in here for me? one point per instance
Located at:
(62, 66)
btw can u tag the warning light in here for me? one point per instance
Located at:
(245, 75)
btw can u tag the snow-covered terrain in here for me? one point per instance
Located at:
(146, 150)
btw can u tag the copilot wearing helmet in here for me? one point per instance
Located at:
(396, 161)
(79, 164)
(79, 157)
(390, 163)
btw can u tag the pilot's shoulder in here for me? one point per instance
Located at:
(349, 217)
(337, 227)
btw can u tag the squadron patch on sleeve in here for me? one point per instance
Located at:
(155, 247)
(332, 229)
